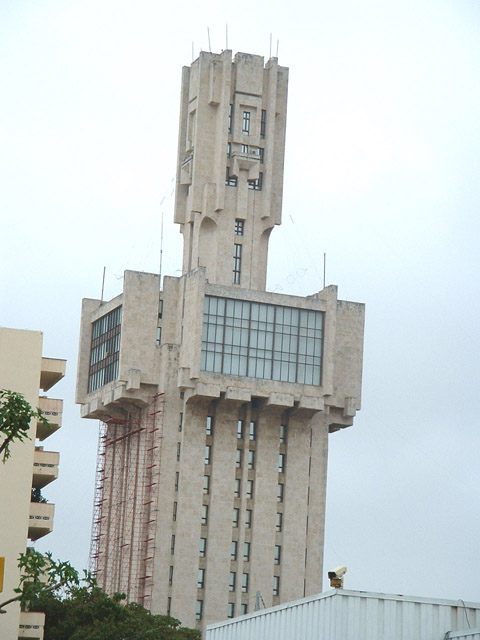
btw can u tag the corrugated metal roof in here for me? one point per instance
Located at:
(471, 634)
(352, 615)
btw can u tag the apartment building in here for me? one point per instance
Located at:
(216, 397)
(23, 369)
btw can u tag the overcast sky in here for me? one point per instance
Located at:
(381, 174)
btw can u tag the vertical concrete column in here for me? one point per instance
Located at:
(295, 508)
(222, 482)
(188, 523)
(166, 489)
(265, 504)
(316, 503)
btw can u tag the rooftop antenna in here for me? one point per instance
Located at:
(270, 55)
(161, 248)
(226, 36)
(277, 48)
(103, 284)
(324, 269)
(209, 46)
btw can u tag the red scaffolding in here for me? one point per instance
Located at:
(124, 525)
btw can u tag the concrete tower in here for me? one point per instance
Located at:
(216, 396)
(230, 165)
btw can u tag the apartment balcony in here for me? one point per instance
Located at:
(53, 370)
(41, 520)
(31, 625)
(52, 409)
(45, 467)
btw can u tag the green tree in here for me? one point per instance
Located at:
(79, 610)
(15, 417)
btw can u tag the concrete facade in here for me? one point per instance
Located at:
(24, 370)
(217, 397)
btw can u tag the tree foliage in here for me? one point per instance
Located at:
(89, 614)
(79, 610)
(15, 417)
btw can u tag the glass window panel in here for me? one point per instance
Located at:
(241, 338)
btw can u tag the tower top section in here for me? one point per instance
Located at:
(231, 150)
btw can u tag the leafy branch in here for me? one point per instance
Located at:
(16, 415)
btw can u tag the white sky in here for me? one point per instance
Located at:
(381, 173)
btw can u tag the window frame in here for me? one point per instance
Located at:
(246, 121)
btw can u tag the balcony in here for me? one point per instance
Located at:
(52, 410)
(41, 520)
(31, 625)
(45, 467)
(53, 370)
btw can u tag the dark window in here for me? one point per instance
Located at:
(158, 339)
(278, 554)
(230, 181)
(199, 610)
(248, 519)
(174, 510)
(246, 123)
(238, 458)
(256, 185)
(237, 263)
(231, 610)
(206, 485)
(200, 578)
(251, 459)
(230, 117)
(170, 575)
(179, 451)
(209, 426)
(250, 489)
(172, 545)
(239, 227)
(240, 429)
(235, 516)
(180, 424)
(243, 608)
(276, 585)
(261, 153)
(105, 349)
(282, 458)
(204, 514)
(283, 434)
(203, 547)
(237, 490)
(229, 149)
(233, 550)
(263, 123)
(232, 580)
(244, 583)
(169, 606)
(177, 479)
(280, 492)
(279, 522)
(208, 454)
(252, 433)
(244, 148)
(160, 309)
(246, 551)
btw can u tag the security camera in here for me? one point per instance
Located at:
(336, 577)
